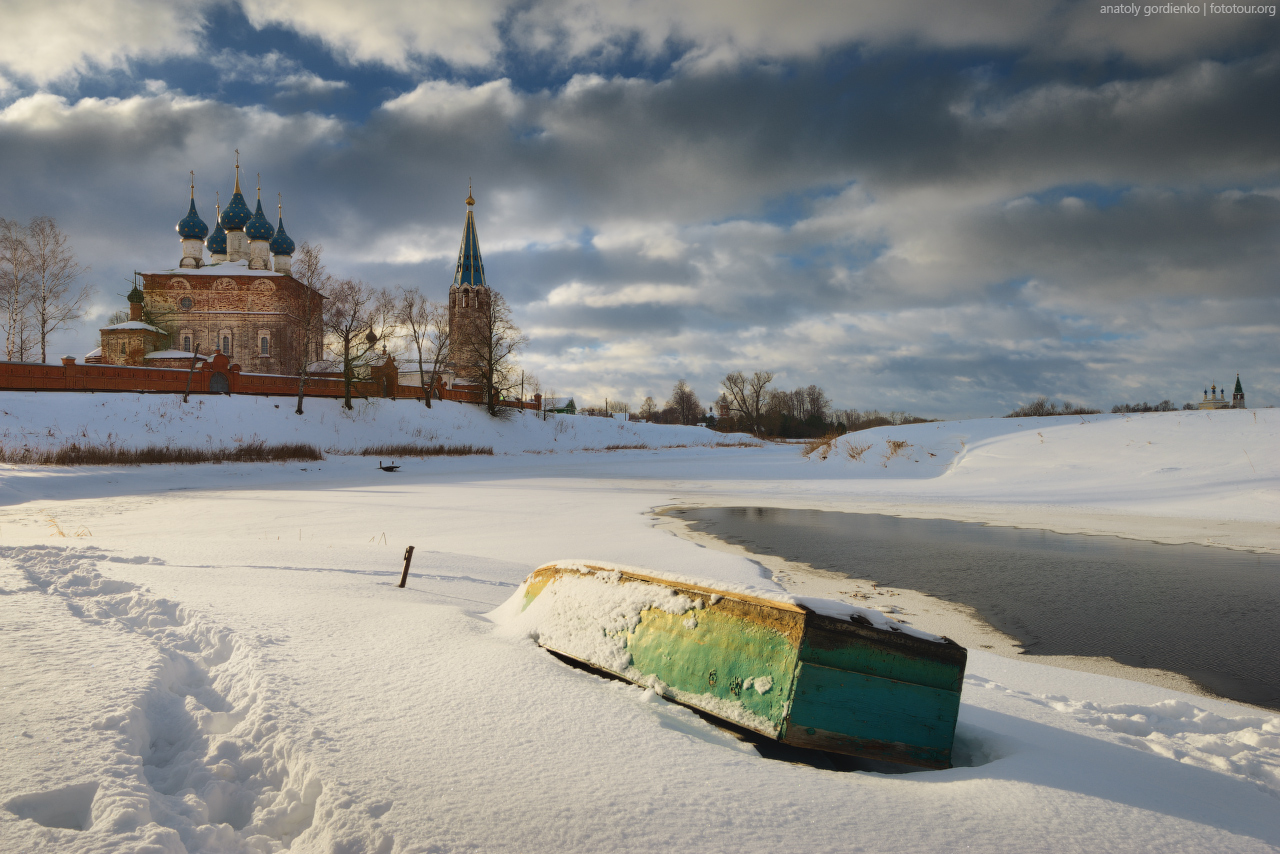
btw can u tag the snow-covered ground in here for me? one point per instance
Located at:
(216, 657)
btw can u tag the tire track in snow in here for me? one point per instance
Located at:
(204, 764)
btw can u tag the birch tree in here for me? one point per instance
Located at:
(15, 289)
(55, 299)
(426, 326)
(356, 317)
(307, 311)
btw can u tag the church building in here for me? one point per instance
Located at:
(1217, 399)
(243, 301)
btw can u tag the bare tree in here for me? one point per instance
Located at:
(816, 403)
(55, 302)
(356, 317)
(486, 349)
(747, 396)
(685, 403)
(15, 289)
(532, 386)
(426, 326)
(648, 409)
(307, 311)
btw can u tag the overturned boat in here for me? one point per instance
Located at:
(811, 673)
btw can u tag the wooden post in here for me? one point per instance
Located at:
(408, 556)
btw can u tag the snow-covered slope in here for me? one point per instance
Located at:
(47, 420)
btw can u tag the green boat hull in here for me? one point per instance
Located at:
(776, 668)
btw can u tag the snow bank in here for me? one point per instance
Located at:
(49, 420)
(1167, 447)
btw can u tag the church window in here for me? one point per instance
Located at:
(226, 345)
(186, 343)
(122, 348)
(266, 346)
(186, 303)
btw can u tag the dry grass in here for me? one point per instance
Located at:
(896, 447)
(641, 446)
(76, 454)
(743, 443)
(411, 449)
(822, 447)
(855, 452)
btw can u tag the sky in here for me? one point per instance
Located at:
(943, 208)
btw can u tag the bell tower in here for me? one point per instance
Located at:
(469, 299)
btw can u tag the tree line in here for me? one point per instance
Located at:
(748, 404)
(39, 292)
(1043, 406)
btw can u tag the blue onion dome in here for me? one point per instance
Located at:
(191, 226)
(217, 242)
(237, 213)
(281, 244)
(258, 228)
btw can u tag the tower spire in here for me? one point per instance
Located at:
(470, 270)
(237, 170)
(193, 185)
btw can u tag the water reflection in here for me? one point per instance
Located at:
(1210, 614)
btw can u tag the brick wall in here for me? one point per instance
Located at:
(206, 379)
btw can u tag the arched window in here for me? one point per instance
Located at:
(122, 346)
(226, 345)
(266, 346)
(466, 299)
(186, 343)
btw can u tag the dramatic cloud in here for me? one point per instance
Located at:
(48, 40)
(950, 209)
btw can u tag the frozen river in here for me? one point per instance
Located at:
(1211, 614)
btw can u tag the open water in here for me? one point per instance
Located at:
(1210, 614)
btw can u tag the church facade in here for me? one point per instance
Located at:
(242, 302)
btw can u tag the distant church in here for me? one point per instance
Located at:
(243, 302)
(1215, 399)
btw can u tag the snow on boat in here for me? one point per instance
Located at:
(812, 673)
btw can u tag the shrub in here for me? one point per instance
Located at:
(411, 449)
(76, 454)
(855, 452)
(821, 446)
